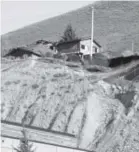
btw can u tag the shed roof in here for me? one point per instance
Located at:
(67, 42)
(20, 50)
(78, 40)
(88, 38)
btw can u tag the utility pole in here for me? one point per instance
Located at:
(92, 33)
(134, 70)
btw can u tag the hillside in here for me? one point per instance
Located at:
(115, 27)
(71, 101)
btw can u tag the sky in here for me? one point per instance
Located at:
(17, 14)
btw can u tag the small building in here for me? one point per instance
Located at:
(21, 52)
(68, 47)
(85, 46)
(37, 49)
(82, 46)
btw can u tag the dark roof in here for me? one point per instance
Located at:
(19, 51)
(67, 42)
(78, 40)
(87, 38)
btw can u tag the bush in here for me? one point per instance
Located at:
(60, 56)
(49, 54)
(96, 68)
(73, 57)
(126, 99)
(24, 144)
(35, 86)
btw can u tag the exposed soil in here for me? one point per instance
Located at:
(71, 100)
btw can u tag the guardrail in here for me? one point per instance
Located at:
(39, 135)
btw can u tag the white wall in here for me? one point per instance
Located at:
(9, 144)
(87, 49)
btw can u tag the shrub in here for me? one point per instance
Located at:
(49, 54)
(126, 99)
(60, 75)
(35, 86)
(24, 144)
(73, 57)
(60, 56)
(96, 68)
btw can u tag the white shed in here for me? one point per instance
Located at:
(85, 46)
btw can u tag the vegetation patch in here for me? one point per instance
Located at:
(17, 82)
(43, 77)
(93, 69)
(24, 85)
(35, 86)
(2, 107)
(126, 99)
(60, 56)
(73, 65)
(8, 83)
(60, 75)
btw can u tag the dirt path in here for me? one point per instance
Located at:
(12, 66)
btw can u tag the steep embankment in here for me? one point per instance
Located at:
(115, 27)
(67, 100)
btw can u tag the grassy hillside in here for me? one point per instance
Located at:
(115, 26)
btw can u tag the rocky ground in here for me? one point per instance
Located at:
(102, 114)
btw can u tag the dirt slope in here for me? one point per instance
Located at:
(63, 99)
(115, 27)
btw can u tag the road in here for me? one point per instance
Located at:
(38, 135)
